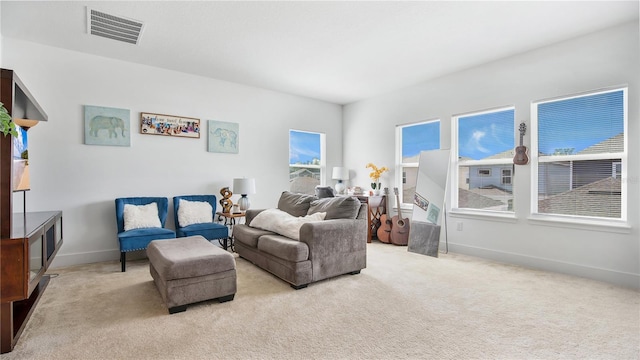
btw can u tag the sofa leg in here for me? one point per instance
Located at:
(226, 298)
(355, 272)
(177, 309)
(123, 261)
(298, 287)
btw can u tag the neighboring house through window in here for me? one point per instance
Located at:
(483, 143)
(306, 161)
(580, 155)
(411, 140)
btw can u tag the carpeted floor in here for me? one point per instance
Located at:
(402, 306)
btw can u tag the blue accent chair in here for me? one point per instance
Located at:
(208, 230)
(138, 239)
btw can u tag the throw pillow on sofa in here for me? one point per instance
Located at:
(283, 223)
(295, 204)
(341, 207)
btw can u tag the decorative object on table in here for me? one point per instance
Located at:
(106, 126)
(375, 173)
(340, 173)
(223, 137)
(420, 201)
(400, 226)
(169, 125)
(225, 202)
(244, 187)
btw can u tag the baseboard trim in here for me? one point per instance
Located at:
(619, 278)
(63, 260)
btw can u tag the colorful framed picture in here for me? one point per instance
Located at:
(106, 126)
(223, 137)
(169, 125)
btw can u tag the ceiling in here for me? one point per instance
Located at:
(338, 52)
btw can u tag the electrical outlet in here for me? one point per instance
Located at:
(459, 226)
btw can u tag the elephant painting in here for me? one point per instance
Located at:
(110, 123)
(226, 135)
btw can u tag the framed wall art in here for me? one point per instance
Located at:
(223, 137)
(106, 126)
(169, 125)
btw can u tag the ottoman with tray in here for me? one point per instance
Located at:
(191, 269)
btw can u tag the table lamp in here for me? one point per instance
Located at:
(244, 187)
(340, 173)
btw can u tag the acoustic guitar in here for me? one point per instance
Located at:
(384, 230)
(521, 157)
(400, 226)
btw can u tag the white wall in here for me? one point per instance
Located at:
(599, 60)
(83, 180)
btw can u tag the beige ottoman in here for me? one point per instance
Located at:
(191, 269)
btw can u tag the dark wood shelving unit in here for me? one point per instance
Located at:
(29, 241)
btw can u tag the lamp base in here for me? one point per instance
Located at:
(340, 188)
(244, 203)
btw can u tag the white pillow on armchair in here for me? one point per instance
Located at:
(194, 212)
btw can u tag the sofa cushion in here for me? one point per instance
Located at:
(248, 235)
(295, 204)
(341, 207)
(283, 223)
(284, 248)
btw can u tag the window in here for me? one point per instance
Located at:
(484, 143)
(581, 155)
(412, 139)
(306, 161)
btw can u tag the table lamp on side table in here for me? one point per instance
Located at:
(244, 187)
(340, 173)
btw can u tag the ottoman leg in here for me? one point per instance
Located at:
(177, 309)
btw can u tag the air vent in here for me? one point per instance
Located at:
(113, 27)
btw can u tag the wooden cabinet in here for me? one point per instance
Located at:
(377, 206)
(28, 241)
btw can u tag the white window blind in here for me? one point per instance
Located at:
(412, 140)
(485, 143)
(581, 155)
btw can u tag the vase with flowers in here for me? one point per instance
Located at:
(375, 173)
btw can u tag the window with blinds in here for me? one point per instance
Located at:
(581, 155)
(485, 143)
(412, 139)
(306, 161)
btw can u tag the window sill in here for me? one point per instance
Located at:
(484, 215)
(615, 226)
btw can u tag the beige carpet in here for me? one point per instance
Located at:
(402, 306)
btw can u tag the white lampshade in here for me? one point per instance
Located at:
(340, 173)
(244, 187)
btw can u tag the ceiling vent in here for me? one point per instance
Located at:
(113, 27)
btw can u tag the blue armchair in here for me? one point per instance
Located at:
(138, 238)
(209, 229)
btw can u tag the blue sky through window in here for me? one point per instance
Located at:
(580, 122)
(483, 135)
(303, 147)
(420, 137)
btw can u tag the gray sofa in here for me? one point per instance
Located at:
(334, 246)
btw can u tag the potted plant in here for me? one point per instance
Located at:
(7, 126)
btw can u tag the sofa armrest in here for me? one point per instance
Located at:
(250, 214)
(329, 237)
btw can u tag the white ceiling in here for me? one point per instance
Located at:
(339, 52)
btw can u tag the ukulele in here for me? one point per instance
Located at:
(400, 225)
(521, 157)
(384, 230)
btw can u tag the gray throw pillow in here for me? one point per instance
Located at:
(295, 204)
(341, 207)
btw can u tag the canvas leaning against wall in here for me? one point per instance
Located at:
(106, 126)
(223, 137)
